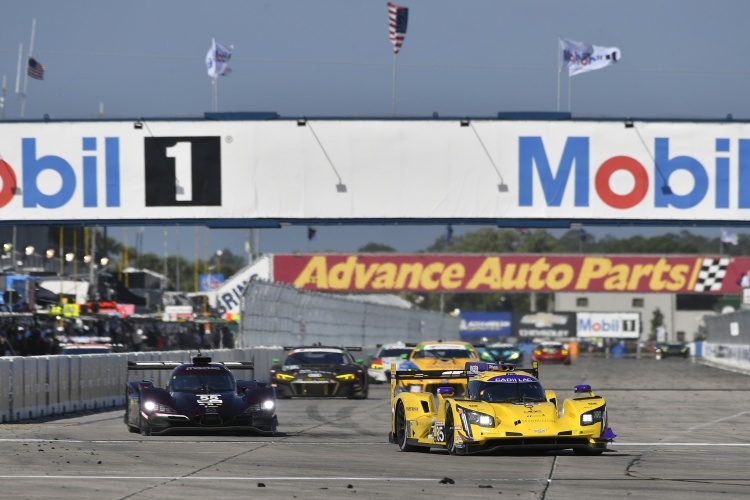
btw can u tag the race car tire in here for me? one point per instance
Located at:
(401, 430)
(131, 428)
(361, 395)
(450, 434)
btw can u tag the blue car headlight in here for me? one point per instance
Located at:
(267, 405)
(150, 406)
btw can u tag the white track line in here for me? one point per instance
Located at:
(225, 478)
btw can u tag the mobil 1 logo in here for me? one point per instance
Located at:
(183, 171)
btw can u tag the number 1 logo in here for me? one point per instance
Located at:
(182, 171)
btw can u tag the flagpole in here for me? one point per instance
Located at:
(559, 70)
(393, 101)
(26, 74)
(570, 92)
(18, 71)
(2, 99)
(215, 92)
(214, 82)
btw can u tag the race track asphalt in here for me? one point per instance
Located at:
(683, 432)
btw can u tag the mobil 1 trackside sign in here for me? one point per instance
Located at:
(608, 325)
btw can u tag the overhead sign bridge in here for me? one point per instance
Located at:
(262, 170)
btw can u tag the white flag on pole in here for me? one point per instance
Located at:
(731, 238)
(217, 59)
(580, 57)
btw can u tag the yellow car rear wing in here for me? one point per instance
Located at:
(472, 369)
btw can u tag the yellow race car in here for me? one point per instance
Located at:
(504, 409)
(437, 355)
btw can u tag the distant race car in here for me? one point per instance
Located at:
(504, 408)
(200, 396)
(380, 367)
(437, 355)
(551, 351)
(671, 350)
(320, 371)
(500, 353)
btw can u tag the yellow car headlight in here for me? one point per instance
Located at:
(594, 417)
(346, 377)
(284, 377)
(478, 418)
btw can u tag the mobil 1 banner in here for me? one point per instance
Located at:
(544, 325)
(609, 325)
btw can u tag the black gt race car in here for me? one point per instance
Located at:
(200, 396)
(319, 371)
(671, 350)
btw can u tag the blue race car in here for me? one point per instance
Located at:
(200, 396)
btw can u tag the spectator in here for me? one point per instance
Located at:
(5, 348)
(36, 345)
(227, 338)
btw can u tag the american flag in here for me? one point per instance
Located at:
(399, 17)
(35, 69)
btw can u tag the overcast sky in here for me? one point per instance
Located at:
(680, 59)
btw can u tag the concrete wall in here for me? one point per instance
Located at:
(40, 386)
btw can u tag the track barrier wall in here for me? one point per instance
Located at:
(42, 386)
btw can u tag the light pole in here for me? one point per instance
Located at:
(219, 253)
(8, 254)
(93, 288)
(49, 254)
(13, 248)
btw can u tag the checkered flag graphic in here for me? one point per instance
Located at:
(711, 275)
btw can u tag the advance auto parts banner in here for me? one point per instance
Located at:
(511, 273)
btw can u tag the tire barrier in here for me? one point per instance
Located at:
(42, 386)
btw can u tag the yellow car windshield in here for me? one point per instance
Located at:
(505, 392)
(444, 354)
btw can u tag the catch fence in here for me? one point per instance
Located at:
(281, 315)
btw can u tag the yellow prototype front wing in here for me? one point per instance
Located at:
(421, 421)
